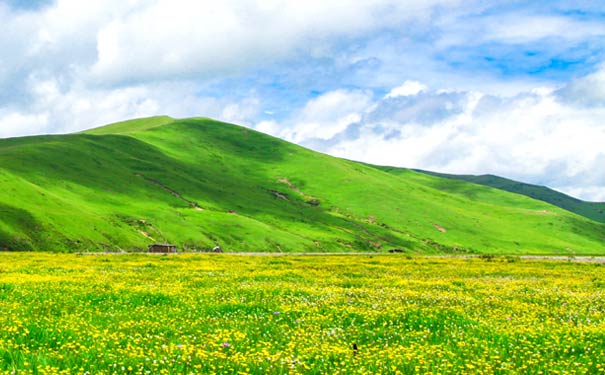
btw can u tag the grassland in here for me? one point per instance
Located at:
(226, 314)
(198, 183)
(592, 210)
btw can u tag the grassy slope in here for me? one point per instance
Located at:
(131, 126)
(114, 187)
(591, 210)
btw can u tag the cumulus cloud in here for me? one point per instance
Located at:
(586, 91)
(20, 123)
(327, 115)
(210, 37)
(84, 57)
(521, 28)
(408, 88)
(242, 112)
(57, 109)
(516, 26)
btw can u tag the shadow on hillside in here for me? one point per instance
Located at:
(224, 173)
(20, 221)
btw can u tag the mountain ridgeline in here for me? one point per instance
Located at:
(591, 210)
(199, 183)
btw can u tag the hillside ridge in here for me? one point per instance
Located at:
(199, 183)
(592, 210)
(130, 126)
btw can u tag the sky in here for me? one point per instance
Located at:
(511, 88)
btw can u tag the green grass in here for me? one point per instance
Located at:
(591, 210)
(356, 314)
(131, 126)
(199, 182)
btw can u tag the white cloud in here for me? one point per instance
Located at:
(143, 40)
(57, 109)
(408, 88)
(242, 113)
(18, 123)
(269, 127)
(522, 28)
(586, 91)
(587, 193)
(514, 27)
(209, 37)
(327, 115)
(83, 63)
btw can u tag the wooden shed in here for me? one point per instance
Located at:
(162, 248)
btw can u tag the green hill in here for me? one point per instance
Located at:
(591, 210)
(198, 182)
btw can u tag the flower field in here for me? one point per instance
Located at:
(355, 314)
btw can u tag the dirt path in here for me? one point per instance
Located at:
(562, 258)
(171, 191)
(557, 258)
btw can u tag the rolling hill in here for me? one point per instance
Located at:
(591, 210)
(198, 182)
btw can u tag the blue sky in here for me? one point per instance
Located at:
(511, 88)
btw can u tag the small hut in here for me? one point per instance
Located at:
(162, 248)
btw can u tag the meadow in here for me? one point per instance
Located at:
(197, 183)
(331, 314)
